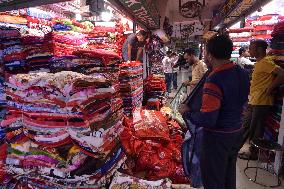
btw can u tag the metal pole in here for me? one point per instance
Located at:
(134, 26)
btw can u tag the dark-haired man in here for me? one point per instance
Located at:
(198, 67)
(242, 60)
(133, 46)
(266, 76)
(224, 94)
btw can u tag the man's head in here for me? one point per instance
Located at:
(218, 48)
(190, 55)
(258, 48)
(141, 36)
(243, 52)
(169, 53)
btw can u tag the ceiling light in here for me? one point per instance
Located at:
(106, 16)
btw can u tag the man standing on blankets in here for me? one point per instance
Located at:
(224, 94)
(168, 64)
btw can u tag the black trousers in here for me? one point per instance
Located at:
(254, 122)
(218, 160)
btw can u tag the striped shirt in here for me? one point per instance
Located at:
(224, 93)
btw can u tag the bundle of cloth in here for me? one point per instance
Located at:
(124, 181)
(38, 49)
(120, 37)
(131, 86)
(3, 145)
(153, 145)
(64, 43)
(36, 166)
(53, 110)
(14, 57)
(155, 88)
(277, 51)
(155, 59)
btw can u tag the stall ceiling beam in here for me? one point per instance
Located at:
(20, 4)
(233, 10)
(254, 7)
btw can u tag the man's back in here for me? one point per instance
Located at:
(233, 83)
(224, 94)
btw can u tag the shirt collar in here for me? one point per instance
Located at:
(222, 67)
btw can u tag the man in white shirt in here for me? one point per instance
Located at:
(168, 63)
(242, 60)
(175, 58)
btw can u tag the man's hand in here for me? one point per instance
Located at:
(187, 83)
(183, 108)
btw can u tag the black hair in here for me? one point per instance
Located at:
(259, 43)
(168, 53)
(143, 33)
(190, 51)
(242, 50)
(220, 47)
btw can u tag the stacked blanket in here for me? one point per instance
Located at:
(14, 57)
(52, 115)
(64, 43)
(154, 144)
(37, 48)
(277, 51)
(131, 86)
(155, 88)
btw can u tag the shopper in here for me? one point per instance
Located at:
(224, 94)
(242, 60)
(198, 67)
(265, 77)
(175, 58)
(168, 63)
(133, 46)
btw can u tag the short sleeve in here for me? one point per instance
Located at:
(267, 66)
(132, 40)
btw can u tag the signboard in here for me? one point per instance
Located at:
(144, 11)
(187, 29)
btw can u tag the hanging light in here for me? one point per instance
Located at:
(106, 16)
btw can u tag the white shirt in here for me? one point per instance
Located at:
(168, 64)
(243, 61)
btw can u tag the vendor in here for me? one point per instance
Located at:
(133, 46)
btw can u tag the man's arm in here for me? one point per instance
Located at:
(278, 72)
(139, 53)
(129, 49)
(211, 104)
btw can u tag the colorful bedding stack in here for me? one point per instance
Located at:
(155, 88)
(62, 129)
(13, 50)
(131, 86)
(277, 50)
(3, 146)
(153, 145)
(64, 43)
(38, 49)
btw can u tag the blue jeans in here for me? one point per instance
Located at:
(169, 78)
(175, 80)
